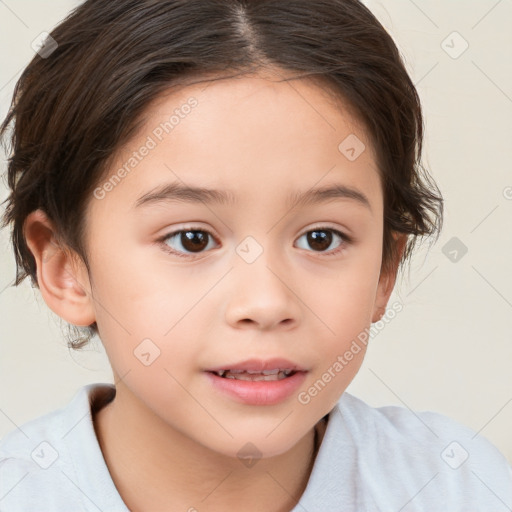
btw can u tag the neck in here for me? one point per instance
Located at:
(183, 474)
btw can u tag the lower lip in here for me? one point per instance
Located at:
(260, 392)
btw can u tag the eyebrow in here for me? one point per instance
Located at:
(179, 192)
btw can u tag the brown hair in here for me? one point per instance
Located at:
(74, 108)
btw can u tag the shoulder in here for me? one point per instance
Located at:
(35, 458)
(405, 425)
(29, 462)
(428, 451)
(30, 443)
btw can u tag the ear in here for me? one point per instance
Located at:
(61, 275)
(387, 280)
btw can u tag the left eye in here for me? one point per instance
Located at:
(320, 239)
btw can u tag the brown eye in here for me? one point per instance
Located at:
(187, 241)
(193, 240)
(321, 240)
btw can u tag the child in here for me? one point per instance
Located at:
(224, 191)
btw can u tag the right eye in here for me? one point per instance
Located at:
(186, 241)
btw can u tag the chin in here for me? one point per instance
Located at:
(253, 445)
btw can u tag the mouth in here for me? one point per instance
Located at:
(258, 369)
(267, 375)
(258, 381)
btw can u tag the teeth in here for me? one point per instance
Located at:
(253, 377)
(268, 375)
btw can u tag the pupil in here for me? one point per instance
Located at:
(194, 240)
(317, 239)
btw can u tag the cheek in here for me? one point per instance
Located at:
(132, 289)
(344, 299)
(340, 355)
(147, 312)
(344, 307)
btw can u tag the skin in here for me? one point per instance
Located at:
(260, 139)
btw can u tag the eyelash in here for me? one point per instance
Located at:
(346, 240)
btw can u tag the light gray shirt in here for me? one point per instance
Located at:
(371, 459)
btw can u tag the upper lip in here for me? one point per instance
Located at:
(258, 365)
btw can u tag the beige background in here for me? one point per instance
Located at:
(450, 349)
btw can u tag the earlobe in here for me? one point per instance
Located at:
(61, 275)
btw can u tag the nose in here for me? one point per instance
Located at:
(261, 296)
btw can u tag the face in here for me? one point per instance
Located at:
(187, 283)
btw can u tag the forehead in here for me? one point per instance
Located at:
(251, 136)
(259, 106)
